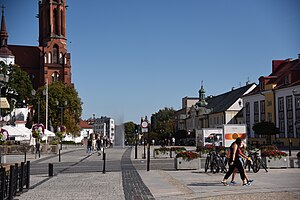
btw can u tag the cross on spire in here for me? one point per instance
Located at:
(2, 9)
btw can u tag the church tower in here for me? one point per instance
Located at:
(54, 59)
(5, 54)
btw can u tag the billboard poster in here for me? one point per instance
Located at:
(232, 132)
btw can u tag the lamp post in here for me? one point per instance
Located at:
(61, 122)
(33, 92)
(3, 79)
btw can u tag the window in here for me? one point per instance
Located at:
(49, 58)
(286, 80)
(280, 104)
(55, 77)
(60, 58)
(289, 102)
(262, 111)
(256, 112)
(55, 54)
(45, 58)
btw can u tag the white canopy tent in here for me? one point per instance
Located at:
(18, 133)
(47, 134)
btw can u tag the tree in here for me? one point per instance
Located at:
(163, 122)
(60, 92)
(17, 89)
(129, 132)
(265, 128)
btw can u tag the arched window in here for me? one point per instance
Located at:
(60, 58)
(55, 77)
(45, 58)
(49, 58)
(55, 54)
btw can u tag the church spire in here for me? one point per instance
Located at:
(4, 51)
(3, 33)
(201, 102)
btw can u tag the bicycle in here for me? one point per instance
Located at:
(215, 163)
(256, 163)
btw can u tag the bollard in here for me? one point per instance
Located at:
(171, 156)
(104, 158)
(50, 170)
(28, 174)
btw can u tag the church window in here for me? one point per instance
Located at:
(49, 57)
(45, 58)
(55, 54)
(55, 77)
(61, 58)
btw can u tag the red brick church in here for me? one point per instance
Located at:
(50, 60)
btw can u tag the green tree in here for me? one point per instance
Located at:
(129, 132)
(60, 92)
(265, 128)
(163, 122)
(17, 89)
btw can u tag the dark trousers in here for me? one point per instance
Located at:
(236, 164)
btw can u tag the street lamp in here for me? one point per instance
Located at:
(61, 122)
(33, 92)
(3, 79)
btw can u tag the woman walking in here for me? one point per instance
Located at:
(235, 162)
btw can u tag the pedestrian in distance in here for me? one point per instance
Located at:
(98, 144)
(89, 145)
(235, 162)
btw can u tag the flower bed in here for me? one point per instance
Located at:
(187, 155)
(272, 152)
(273, 157)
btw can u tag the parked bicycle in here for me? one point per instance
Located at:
(215, 163)
(256, 163)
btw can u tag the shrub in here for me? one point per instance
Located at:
(161, 150)
(178, 149)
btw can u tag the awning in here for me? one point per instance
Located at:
(4, 103)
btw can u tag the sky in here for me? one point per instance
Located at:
(131, 58)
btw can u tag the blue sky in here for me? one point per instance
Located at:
(131, 58)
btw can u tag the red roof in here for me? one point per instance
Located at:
(84, 124)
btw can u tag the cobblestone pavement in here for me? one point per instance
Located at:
(133, 185)
(126, 178)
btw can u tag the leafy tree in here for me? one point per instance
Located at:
(129, 132)
(60, 92)
(163, 122)
(17, 89)
(265, 128)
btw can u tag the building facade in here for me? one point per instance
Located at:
(276, 99)
(211, 111)
(105, 126)
(49, 61)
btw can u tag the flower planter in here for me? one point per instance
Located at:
(282, 162)
(180, 164)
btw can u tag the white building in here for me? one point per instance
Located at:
(105, 126)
